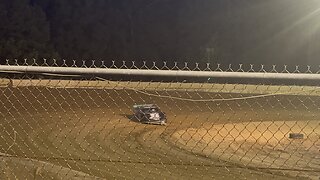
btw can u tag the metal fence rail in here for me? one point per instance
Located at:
(63, 124)
(151, 72)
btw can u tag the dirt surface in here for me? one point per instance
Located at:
(259, 144)
(88, 134)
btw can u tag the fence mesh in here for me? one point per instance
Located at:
(64, 126)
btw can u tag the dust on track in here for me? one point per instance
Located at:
(89, 132)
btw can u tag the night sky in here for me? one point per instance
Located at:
(217, 31)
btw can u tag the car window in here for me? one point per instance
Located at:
(145, 110)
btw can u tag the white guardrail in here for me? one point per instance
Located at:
(169, 73)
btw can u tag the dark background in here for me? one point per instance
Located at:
(225, 31)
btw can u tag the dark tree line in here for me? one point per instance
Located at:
(24, 31)
(227, 31)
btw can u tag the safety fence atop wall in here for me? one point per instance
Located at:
(164, 65)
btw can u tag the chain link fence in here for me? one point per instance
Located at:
(91, 122)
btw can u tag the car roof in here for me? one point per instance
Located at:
(144, 106)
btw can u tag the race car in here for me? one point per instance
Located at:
(149, 114)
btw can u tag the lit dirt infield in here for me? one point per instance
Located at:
(89, 134)
(260, 144)
(26, 168)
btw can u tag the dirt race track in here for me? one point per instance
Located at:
(89, 134)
